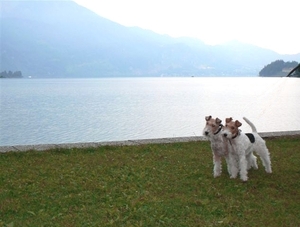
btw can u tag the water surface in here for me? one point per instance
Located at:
(37, 111)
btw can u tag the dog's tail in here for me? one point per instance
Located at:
(251, 124)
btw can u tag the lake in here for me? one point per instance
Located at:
(42, 111)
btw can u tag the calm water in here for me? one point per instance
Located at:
(36, 111)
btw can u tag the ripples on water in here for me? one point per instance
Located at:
(39, 111)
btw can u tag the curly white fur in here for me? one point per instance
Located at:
(241, 155)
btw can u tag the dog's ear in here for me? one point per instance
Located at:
(218, 121)
(228, 119)
(238, 124)
(207, 118)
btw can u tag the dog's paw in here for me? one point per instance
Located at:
(268, 170)
(217, 175)
(244, 178)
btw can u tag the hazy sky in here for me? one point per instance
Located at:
(272, 24)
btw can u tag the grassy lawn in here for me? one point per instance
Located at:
(147, 185)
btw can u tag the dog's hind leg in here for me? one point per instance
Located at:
(265, 158)
(251, 161)
(264, 154)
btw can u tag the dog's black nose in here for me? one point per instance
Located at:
(225, 134)
(206, 133)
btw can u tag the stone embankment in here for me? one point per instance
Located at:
(43, 147)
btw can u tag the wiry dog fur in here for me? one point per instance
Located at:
(219, 145)
(241, 152)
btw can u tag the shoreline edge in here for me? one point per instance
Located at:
(43, 147)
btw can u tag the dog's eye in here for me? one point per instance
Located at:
(232, 128)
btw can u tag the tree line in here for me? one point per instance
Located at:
(10, 74)
(280, 68)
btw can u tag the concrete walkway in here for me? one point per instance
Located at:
(43, 147)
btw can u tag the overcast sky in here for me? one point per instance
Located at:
(270, 24)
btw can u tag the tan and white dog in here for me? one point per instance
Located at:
(242, 147)
(219, 144)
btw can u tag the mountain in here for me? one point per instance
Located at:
(63, 39)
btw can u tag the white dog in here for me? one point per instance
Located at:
(243, 146)
(219, 145)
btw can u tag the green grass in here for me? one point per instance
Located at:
(147, 185)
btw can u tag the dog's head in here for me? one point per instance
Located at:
(231, 129)
(212, 127)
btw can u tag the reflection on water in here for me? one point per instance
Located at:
(91, 110)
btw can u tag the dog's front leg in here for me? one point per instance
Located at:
(233, 165)
(243, 166)
(217, 165)
(228, 165)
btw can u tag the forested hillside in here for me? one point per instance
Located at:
(10, 74)
(279, 68)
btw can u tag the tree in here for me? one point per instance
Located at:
(3, 74)
(10, 74)
(17, 74)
